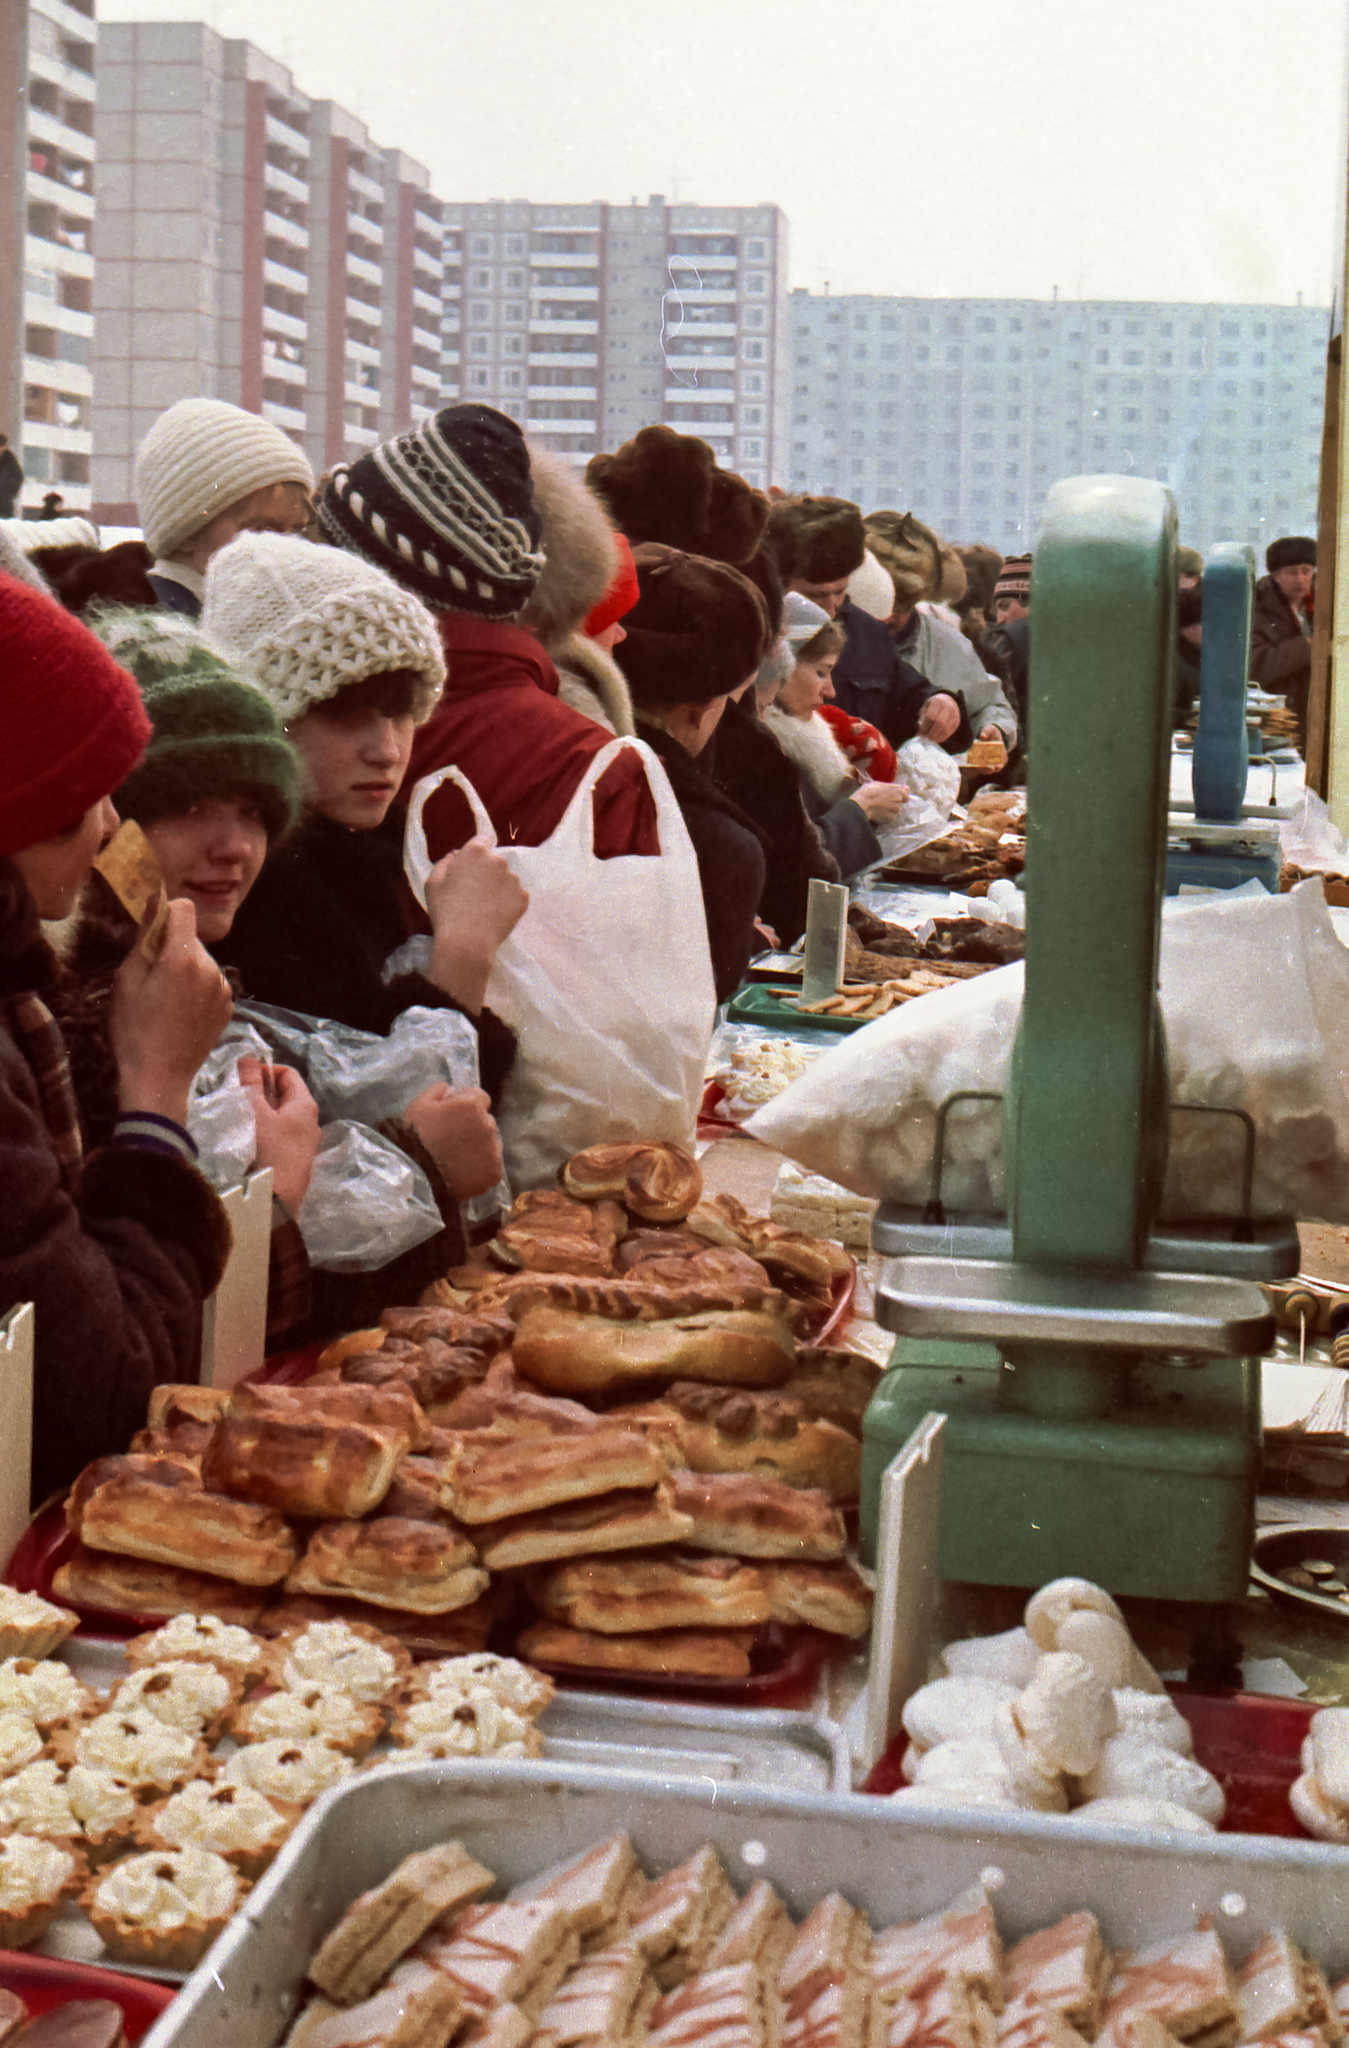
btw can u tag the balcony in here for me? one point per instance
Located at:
(684, 260)
(586, 327)
(290, 417)
(285, 137)
(281, 367)
(42, 254)
(363, 313)
(556, 393)
(369, 273)
(533, 426)
(362, 395)
(426, 302)
(582, 294)
(366, 186)
(541, 360)
(587, 259)
(698, 330)
(282, 274)
(71, 199)
(59, 376)
(49, 131)
(285, 182)
(66, 77)
(285, 230)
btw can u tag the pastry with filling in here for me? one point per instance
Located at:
(44, 1691)
(1281, 1991)
(347, 1657)
(633, 1518)
(391, 1561)
(456, 1634)
(730, 1429)
(390, 1407)
(31, 1626)
(35, 1877)
(106, 1809)
(161, 1469)
(743, 1515)
(164, 1908)
(174, 1401)
(309, 1713)
(648, 1653)
(681, 1915)
(449, 1724)
(723, 2008)
(658, 1183)
(832, 1597)
(486, 1481)
(200, 1639)
(605, 1999)
(503, 1678)
(759, 1931)
(381, 1925)
(234, 1821)
(416, 2008)
(1185, 1983)
(320, 1470)
(644, 1590)
(1066, 1966)
(590, 1355)
(20, 1742)
(188, 1527)
(288, 1773)
(517, 1951)
(594, 1889)
(825, 1981)
(548, 1232)
(960, 1940)
(136, 1748)
(34, 1801)
(834, 1386)
(192, 1696)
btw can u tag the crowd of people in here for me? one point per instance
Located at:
(625, 715)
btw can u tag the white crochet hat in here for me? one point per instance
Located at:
(199, 458)
(306, 620)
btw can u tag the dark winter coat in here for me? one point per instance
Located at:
(1281, 653)
(11, 482)
(732, 858)
(873, 681)
(749, 766)
(116, 1254)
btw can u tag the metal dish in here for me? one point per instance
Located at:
(1288, 1549)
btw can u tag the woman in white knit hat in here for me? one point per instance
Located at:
(354, 664)
(205, 472)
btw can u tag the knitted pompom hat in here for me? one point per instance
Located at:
(817, 540)
(306, 620)
(199, 458)
(872, 588)
(908, 551)
(698, 630)
(664, 486)
(215, 734)
(447, 509)
(72, 724)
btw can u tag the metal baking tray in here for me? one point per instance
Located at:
(521, 1818)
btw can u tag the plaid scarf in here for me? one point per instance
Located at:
(38, 1037)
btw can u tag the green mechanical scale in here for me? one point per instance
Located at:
(1099, 1374)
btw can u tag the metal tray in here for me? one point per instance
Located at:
(520, 1819)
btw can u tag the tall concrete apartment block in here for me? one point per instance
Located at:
(254, 245)
(46, 243)
(966, 410)
(585, 323)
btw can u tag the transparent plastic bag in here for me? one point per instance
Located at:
(1310, 840)
(360, 1076)
(933, 782)
(220, 1118)
(1255, 993)
(367, 1202)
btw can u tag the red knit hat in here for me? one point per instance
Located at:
(72, 725)
(621, 595)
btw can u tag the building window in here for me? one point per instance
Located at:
(515, 314)
(480, 280)
(512, 379)
(479, 345)
(480, 314)
(753, 382)
(515, 245)
(515, 280)
(755, 316)
(752, 351)
(513, 345)
(478, 380)
(751, 451)
(757, 251)
(756, 284)
(480, 245)
(752, 416)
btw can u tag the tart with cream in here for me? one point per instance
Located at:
(35, 1876)
(164, 1908)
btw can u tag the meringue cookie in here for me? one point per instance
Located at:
(949, 1707)
(1329, 1734)
(1032, 1780)
(1011, 1656)
(1066, 1712)
(981, 1792)
(968, 1756)
(1101, 1640)
(1154, 1717)
(1133, 1768)
(1125, 1812)
(1047, 1610)
(1313, 1809)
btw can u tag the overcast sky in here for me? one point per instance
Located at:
(1150, 149)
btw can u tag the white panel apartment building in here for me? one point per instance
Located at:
(966, 410)
(587, 322)
(46, 242)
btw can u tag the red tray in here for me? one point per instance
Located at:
(783, 1669)
(43, 1982)
(1251, 1742)
(713, 1123)
(44, 1546)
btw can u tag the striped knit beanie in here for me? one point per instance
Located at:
(306, 620)
(1014, 579)
(447, 509)
(199, 458)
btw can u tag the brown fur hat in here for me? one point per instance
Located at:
(697, 631)
(84, 578)
(581, 559)
(982, 564)
(667, 487)
(909, 551)
(818, 540)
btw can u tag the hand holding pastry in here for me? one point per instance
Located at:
(456, 1127)
(288, 1128)
(993, 737)
(474, 902)
(166, 1016)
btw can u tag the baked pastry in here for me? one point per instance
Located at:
(548, 1232)
(415, 1493)
(827, 1596)
(456, 1634)
(333, 1355)
(758, 1930)
(473, 1329)
(31, 1626)
(234, 1821)
(488, 1481)
(130, 1585)
(634, 1518)
(310, 1713)
(288, 1773)
(1067, 1967)
(173, 1401)
(192, 1696)
(960, 1940)
(383, 1924)
(199, 1639)
(651, 1590)
(324, 1471)
(834, 1386)
(592, 1355)
(390, 1407)
(164, 1908)
(730, 1429)
(34, 1801)
(639, 1297)
(517, 1950)
(105, 1808)
(35, 1876)
(448, 1724)
(655, 1241)
(732, 2003)
(743, 1515)
(80, 2023)
(391, 1562)
(20, 1742)
(660, 1183)
(135, 1748)
(645, 1653)
(592, 1888)
(416, 2008)
(1185, 1982)
(508, 1407)
(162, 1469)
(187, 1528)
(346, 1657)
(503, 1678)
(825, 1982)
(44, 1691)
(681, 1915)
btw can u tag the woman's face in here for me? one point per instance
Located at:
(211, 854)
(354, 760)
(57, 869)
(808, 686)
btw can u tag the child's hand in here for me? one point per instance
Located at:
(288, 1128)
(474, 901)
(456, 1127)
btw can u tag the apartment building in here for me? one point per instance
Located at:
(966, 410)
(585, 323)
(254, 245)
(46, 243)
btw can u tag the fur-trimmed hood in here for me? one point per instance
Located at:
(591, 681)
(818, 756)
(580, 558)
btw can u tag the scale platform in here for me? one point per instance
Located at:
(1247, 1251)
(1205, 855)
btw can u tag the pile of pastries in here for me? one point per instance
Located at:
(968, 857)
(612, 1430)
(154, 1806)
(595, 1952)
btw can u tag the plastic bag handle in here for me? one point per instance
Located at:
(417, 862)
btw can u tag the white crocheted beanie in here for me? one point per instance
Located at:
(199, 458)
(306, 620)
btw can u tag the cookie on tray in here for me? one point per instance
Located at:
(31, 1626)
(44, 1689)
(342, 1656)
(309, 1713)
(233, 1820)
(163, 1908)
(35, 1876)
(291, 1773)
(200, 1639)
(192, 1696)
(137, 1748)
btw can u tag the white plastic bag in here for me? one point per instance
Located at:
(367, 1202)
(1309, 838)
(933, 782)
(606, 981)
(1255, 993)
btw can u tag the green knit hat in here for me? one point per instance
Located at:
(215, 734)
